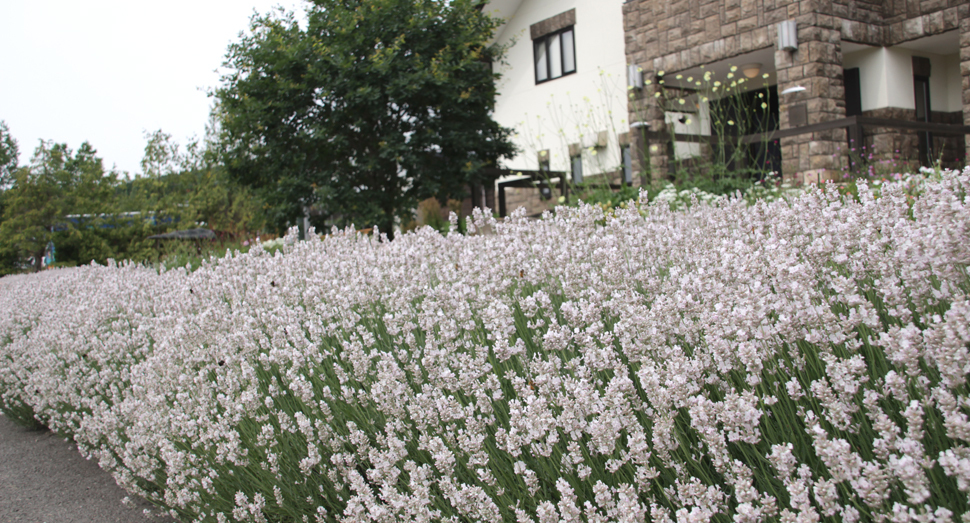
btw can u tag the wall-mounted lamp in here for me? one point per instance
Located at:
(634, 76)
(788, 35)
(545, 192)
(751, 70)
(795, 89)
(636, 125)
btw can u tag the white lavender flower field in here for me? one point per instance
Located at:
(798, 360)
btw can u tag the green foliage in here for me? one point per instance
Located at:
(606, 197)
(190, 188)
(66, 199)
(191, 254)
(9, 152)
(374, 106)
(20, 413)
(118, 237)
(58, 183)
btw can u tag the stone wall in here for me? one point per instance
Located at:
(891, 22)
(893, 150)
(965, 72)
(680, 34)
(817, 66)
(865, 11)
(529, 198)
(675, 35)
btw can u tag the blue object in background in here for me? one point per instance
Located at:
(49, 254)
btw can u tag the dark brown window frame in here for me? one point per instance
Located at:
(544, 40)
(924, 108)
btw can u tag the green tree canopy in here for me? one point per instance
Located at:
(58, 183)
(8, 156)
(66, 199)
(190, 188)
(374, 106)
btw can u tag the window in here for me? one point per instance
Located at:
(921, 88)
(853, 91)
(555, 55)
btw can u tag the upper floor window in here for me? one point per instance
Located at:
(553, 42)
(555, 55)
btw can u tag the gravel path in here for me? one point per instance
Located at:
(44, 479)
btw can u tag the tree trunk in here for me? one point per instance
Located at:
(39, 259)
(387, 223)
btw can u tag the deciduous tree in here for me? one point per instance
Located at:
(189, 187)
(58, 183)
(364, 110)
(8, 156)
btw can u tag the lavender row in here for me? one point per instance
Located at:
(793, 360)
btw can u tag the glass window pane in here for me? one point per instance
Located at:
(541, 61)
(568, 52)
(555, 57)
(922, 99)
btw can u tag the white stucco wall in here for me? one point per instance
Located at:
(886, 78)
(572, 108)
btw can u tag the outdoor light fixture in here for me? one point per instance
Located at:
(751, 70)
(634, 76)
(788, 35)
(795, 89)
(545, 192)
(639, 124)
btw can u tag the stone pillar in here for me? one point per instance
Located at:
(643, 31)
(658, 149)
(816, 66)
(646, 117)
(965, 78)
(636, 54)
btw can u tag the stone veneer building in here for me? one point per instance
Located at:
(894, 65)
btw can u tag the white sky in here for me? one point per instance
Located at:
(107, 71)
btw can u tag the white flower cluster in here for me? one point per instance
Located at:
(269, 245)
(798, 360)
(685, 197)
(762, 191)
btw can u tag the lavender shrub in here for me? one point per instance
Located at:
(803, 359)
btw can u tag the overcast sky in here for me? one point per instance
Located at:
(108, 71)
